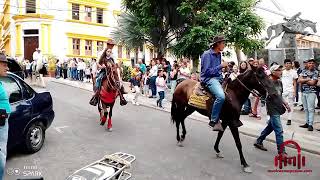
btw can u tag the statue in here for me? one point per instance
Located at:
(292, 26)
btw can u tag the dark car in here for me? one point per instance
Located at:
(32, 113)
(15, 68)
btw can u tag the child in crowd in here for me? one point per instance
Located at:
(135, 81)
(161, 87)
(88, 74)
(146, 81)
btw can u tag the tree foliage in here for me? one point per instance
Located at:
(235, 19)
(156, 21)
(187, 25)
(128, 31)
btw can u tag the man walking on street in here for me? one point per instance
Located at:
(211, 76)
(274, 123)
(4, 114)
(308, 79)
(289, 80)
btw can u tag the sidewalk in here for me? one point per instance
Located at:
(309, 141)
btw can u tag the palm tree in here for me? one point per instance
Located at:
(164, 24)
(128, 32)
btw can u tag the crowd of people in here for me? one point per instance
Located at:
(158, 78)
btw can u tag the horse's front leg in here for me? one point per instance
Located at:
(235, 134)
(103, 114)
(216, 145)
(109, 126)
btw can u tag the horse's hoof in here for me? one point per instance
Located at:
(179, 144)
(109, 129)
(219, 155)
(247, 169)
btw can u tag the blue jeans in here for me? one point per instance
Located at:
(74, 73)
(247, 106)
(99, 77)
(216, 89)
(3, 147)
(153, 86)
(274, 124)
(308, 101)
(161, 97)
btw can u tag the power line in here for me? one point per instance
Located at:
(53, 9)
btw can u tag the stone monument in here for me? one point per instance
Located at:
(290, 28)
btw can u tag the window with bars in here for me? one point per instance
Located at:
(88, 11)
(75, 11)
(119, 51)
(100, 15)
(88, 47)
(128, 53)
(31, 6)
(76, 46)
(151, 53)
(99, 46)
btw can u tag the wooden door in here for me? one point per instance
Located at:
(30, 45)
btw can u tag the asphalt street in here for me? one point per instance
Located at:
(76, 139)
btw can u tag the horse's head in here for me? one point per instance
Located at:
(312, 25)
(257, 80)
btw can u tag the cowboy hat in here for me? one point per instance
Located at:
(217, 39)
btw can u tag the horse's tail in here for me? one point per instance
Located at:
(173, 110)
(174, 106)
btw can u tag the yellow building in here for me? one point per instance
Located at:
(64, 28)
(312, 41)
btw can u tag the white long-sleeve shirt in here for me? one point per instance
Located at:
(81, 66)
(154, 71)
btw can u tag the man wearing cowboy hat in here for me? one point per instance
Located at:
(4, 111)
(211, 76)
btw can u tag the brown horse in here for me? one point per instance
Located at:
(253, 80)
(108, 94)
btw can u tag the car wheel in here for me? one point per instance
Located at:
(34, 137)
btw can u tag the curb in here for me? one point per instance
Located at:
(202, 121)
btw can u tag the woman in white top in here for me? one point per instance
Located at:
(184, 71)
(153, 76)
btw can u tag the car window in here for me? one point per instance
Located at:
(12, 88)
(27, 90)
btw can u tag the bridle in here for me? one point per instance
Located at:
(253, 91)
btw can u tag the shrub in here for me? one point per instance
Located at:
(126, 73)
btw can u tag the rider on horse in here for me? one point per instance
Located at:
(211, 76)
(106, 62)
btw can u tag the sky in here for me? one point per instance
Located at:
(309, 9)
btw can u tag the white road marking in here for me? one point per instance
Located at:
(59, 129)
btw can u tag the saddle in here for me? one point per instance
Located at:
(200, 97)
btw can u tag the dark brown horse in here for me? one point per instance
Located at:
(108, 94)
(237, 93)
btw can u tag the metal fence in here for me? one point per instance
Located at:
(278, 55)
